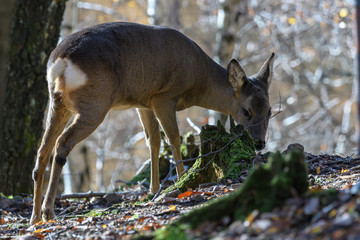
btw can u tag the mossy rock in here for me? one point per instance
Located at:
(266, 187)
(223, 155)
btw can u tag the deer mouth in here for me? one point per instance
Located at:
(259, 145)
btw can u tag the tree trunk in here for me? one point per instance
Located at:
(5, 20)
(231, 18)
(34, 33)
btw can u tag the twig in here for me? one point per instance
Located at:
(196, 128)
(82, 195)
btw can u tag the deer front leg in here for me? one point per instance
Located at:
(57, 118)
(152, 133)
(166, 114)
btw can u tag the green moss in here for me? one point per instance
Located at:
(224, 155)
(172, 232)
(266, 187)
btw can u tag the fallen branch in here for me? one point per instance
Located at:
(82, 195)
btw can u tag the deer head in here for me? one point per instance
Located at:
(251, 106)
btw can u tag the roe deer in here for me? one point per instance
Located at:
(157, 70)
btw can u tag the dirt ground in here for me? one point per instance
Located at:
(125, 214)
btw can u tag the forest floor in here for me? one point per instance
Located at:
(124, 215)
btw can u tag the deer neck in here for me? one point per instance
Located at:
(217, 93)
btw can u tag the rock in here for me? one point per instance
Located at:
(294, 146)
(312, 206)
(112, 198)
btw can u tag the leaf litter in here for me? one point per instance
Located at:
(330, 210)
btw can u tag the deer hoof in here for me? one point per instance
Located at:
(34, 219)
(48, 214)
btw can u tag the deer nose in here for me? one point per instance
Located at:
(259, 145)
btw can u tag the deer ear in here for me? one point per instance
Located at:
(236, 75)
(266, 71)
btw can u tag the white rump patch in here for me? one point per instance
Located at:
(64, 69)
(74, 76)
(56, 70)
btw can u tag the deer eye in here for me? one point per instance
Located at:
(246, 113)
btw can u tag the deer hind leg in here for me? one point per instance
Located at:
(166, 113)
(152, 133)
(84, 124)
(57, 118)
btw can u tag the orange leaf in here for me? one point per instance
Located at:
(39, 230)
(129, 227)
(147, 228)
(251, 217)
(39, 223)
(2, 221)
(172, 207)
(142, 219)
(156, 226)
(39, 235)
(185, 194)
(318, 170)
(208, 193)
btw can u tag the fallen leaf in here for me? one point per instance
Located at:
(315, 230)
(80, 219)
(104, 226)
(185, 194)
(172, 207)
(343, 12)
(129, 227)
(272, 230)
(344, 170)
(147, 228)
(39, 235)
(291, 20)
(332, 213)
(142, 219)
(318, 170)
(208, 193)
(250, 218)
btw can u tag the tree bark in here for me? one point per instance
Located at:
(5, 20)
(34, 33)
